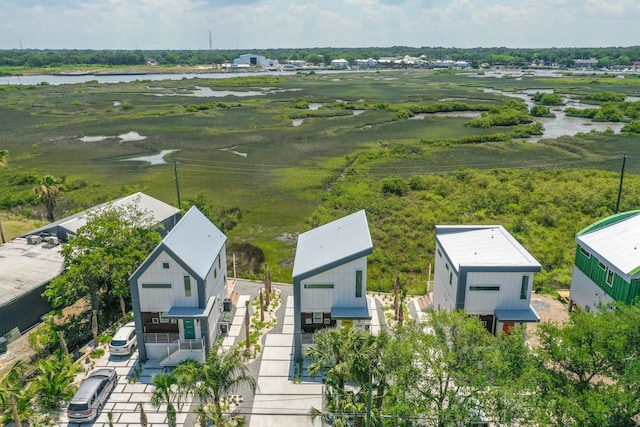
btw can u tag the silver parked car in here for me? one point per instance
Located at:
(92, 395)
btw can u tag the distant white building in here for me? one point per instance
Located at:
(367, 63)
(249, 59)
(484, 271)
(586, 63)
(340, 63)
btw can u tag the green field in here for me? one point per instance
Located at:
(338, 160)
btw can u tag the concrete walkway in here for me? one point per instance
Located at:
(279, 400)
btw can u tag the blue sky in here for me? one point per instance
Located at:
(248, 24)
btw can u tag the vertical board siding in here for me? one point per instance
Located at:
(620, 290)
(343, 293)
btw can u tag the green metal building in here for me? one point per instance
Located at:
(607, 262)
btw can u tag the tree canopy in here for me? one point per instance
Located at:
(99, 259)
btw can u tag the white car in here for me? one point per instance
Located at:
(124, 341)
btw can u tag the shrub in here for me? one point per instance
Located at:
(395, 185)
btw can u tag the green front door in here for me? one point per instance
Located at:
(188, 325)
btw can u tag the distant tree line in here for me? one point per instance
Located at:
(564, 57)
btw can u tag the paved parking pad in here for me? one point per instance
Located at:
(279, 400)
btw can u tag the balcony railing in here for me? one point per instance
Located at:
(160, 338)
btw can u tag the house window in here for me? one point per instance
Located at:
(609, 277)
(585, 253)
(484, 288)
(450, 277)
(156, 286)
(219, 266)
(358, 283)
(317, 317)
(601, 266)
(318, 286)
(447, 266)
(165, 265)
(215, 273)
(524, 287)
(187, 286)
(163, 317)
(439, 253)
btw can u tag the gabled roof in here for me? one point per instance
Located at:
(195, 241)
(615, 239)
(483, 246)
(159, 209)
(332, 244)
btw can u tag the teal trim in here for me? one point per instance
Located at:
(608, 221)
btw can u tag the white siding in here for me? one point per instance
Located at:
(585, 293)
(216, 279)
(152, 299)
(444, 294)
(508, 297)
(343, 293)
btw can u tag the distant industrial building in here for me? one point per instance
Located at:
(249, 59)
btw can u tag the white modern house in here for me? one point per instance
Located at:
(177, 293)
(330, 277)
(484, 271)
(340, 63)
(607, 262)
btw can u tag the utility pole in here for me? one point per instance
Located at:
(175, 174)
(624, 160)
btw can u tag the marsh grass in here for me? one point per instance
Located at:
(288, 172)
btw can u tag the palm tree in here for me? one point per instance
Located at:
(14, 396)
(347, 356)
(48, 190)
(54, 381)
(164, 393)
(221, 374)
(143, 415)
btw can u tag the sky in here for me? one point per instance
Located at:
(264, 24)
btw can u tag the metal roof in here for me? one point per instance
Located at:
(332, 244)
(525, 315)
(196, 241)
(483, 246)
(25, 267)
(618, 243)
(159, 209)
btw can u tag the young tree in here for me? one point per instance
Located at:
(15, 394)
(350, 362)
(102, 256)
(48, 190)
(53, 382)
(164, 393)
(222, 373)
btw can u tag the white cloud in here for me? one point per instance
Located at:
(244, 24)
